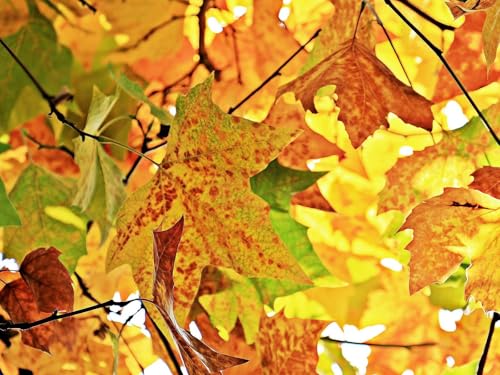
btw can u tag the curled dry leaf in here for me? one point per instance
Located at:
(48, 280)
(367, 91)
(17, 299)
(487, 180)
(459, 8)
(198, 357)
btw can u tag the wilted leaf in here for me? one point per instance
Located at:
(48, 280)
(9, 214)
(17, 299)
(204, 177)
(100, 189)
(36, 46)
(445, 229)
(491, 33)
(42, 201)
(367, 91)
(288, 346)
(487, 180)
(197, 356)
(447, 164)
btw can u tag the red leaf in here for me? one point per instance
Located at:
(487, 180)
(198, 357)
(48, 279)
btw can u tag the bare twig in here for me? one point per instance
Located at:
(484, 356)
(88, 5)
(441, 57)
(402, 346)
(426, 17)
(274, 74)
(42, 146)
(202, 51)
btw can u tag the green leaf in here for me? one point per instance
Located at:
(43, 202)
(9, 215)
(4, 147)
(50, 63)
(135, 91)
(100, 189)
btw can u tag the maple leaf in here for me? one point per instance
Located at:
(296, 354)
(444, 230)
(487, 180)
(367, 91)
(36, 45)
(48, 279)
(17, 299)
(9, 214)
(13, 15)
(198, 357)
(448, 163)
(204, 177)
(42, 201)
(100, 189)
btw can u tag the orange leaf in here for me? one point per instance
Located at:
(487, 180)
(288, 346)
(17, 299)
(198, 357)
(48, 279)
(367, 91)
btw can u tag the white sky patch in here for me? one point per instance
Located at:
(121, 314)
(214, 25)
(239, 11)
(418, 60)
(406, 150)
(450, 361)
(408, 372)
(455, 115)
(312, 163)
(172, 110)
(391, 264)
(195, 330)
(284, 14)
(336, 369)
(157, 367)
(8, 263)
(448, 319)
(356, 354)
(287, 2)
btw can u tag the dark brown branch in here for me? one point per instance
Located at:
(42, 146)
(441, 57)
(202, 24)
(484, 356)
(164, 91)
(146, 36)
(426, 17)
(401, 346)
(88, 5)
(274, 74)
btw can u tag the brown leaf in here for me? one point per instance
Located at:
(487, 180)
(17, 299)
(288, 346)
(367, 91)
(48, 279)
(459, 8)
(198, 357)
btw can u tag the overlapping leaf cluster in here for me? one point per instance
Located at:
(339, 194)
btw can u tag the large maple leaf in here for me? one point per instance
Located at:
(367, 91)
(204, 177)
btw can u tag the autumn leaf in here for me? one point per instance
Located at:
(367, 91)
(36, 45)
(487, 180)
(491, 32)
(447, 228)
(17, 299)
(197, 356)
(459, 8)
(447, 164)
(13, 15)
(294, 355)
(9, 215)
(48, 280)
(43, 202)
(100, 189)
(204, 176)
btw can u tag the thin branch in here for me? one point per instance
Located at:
(85, 289)
(236, 54)
(88, 5)
(164, 91)
(484, 356)
(401, 346)
(274, 74)
(426, 17)
(441, 57)
(202, 24)
(42, 146)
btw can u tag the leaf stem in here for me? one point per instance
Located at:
(42, 146)
(274, 74)
(482, 361)
(402, 346)
(441, 57)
